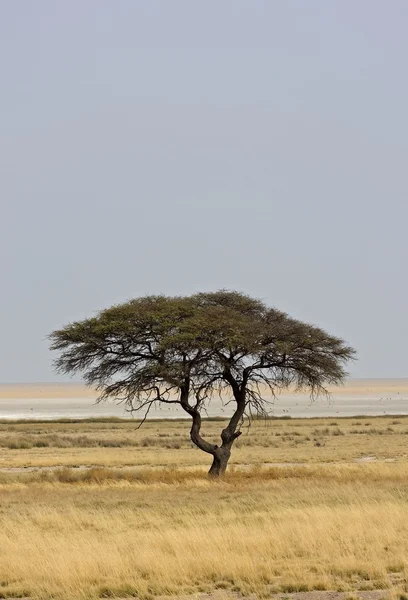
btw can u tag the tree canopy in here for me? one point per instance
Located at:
(187, 350)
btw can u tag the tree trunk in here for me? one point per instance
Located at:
(220, 462)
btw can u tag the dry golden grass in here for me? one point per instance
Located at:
(110, 531)
(120, 443)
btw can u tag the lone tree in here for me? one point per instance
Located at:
(187, 350)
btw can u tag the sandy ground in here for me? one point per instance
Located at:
(353, 387)
(53, 401)
(45, 390)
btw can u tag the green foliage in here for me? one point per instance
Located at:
(185, 350)
(128, 349)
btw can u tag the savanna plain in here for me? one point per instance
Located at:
(101, 509)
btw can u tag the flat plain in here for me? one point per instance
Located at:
(54, 401)
(100, 508)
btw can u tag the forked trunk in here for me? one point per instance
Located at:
(220, 454)
(220, 461)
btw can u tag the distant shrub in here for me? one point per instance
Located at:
(117, 443)
(324, 431)
(61, 441)
(150, 441)
(18, 444)
(41, 444)
(159, 442)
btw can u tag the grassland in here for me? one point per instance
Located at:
(307, 505)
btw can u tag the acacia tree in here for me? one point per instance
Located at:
(187, 350)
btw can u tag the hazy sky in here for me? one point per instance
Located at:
(175, 146)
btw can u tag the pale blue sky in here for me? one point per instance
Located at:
(175, 146)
